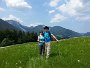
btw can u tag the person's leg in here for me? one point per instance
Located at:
(48, 49)
(43, 48)
(40, 49)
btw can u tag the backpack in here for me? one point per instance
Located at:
(50, 35)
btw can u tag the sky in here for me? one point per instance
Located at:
(70, 14)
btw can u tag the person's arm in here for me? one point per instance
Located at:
(54, 37)
(38, 39)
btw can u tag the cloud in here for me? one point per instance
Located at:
(70, 7)
(80, 9)
(83, 18)
(84, 12)
(77, 9)
(54, 3)
(20, 4)
(51, 11)
(12, 17)
(57, 18)
(1, 9)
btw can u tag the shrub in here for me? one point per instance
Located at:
(6, 42)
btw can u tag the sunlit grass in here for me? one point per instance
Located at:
(70, 53)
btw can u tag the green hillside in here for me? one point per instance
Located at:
(70, 53)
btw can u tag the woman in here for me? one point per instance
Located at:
(41, 43)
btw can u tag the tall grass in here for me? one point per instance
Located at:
(70, 53)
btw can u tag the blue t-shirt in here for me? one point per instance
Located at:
(47, 36)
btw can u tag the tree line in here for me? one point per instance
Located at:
(10, 37)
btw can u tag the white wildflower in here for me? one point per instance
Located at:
(78, 61)
(20, 67)
(6, 62)
(16, 63)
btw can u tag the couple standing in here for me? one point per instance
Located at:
(44, 40)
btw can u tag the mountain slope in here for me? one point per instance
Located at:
(56, 30)
(5, 25)
(69, 53)
(17, 25)
(87, 34)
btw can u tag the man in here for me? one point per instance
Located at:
(48, 37)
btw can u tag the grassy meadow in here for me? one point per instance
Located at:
(69, 53)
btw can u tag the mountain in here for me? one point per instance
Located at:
(25, 28)
(36, 29)
(5, 25)
(82, 33)
(56, 30)
(17, 25)
(87, 34)
(60, 31)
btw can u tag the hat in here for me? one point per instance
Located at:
(46, 27)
